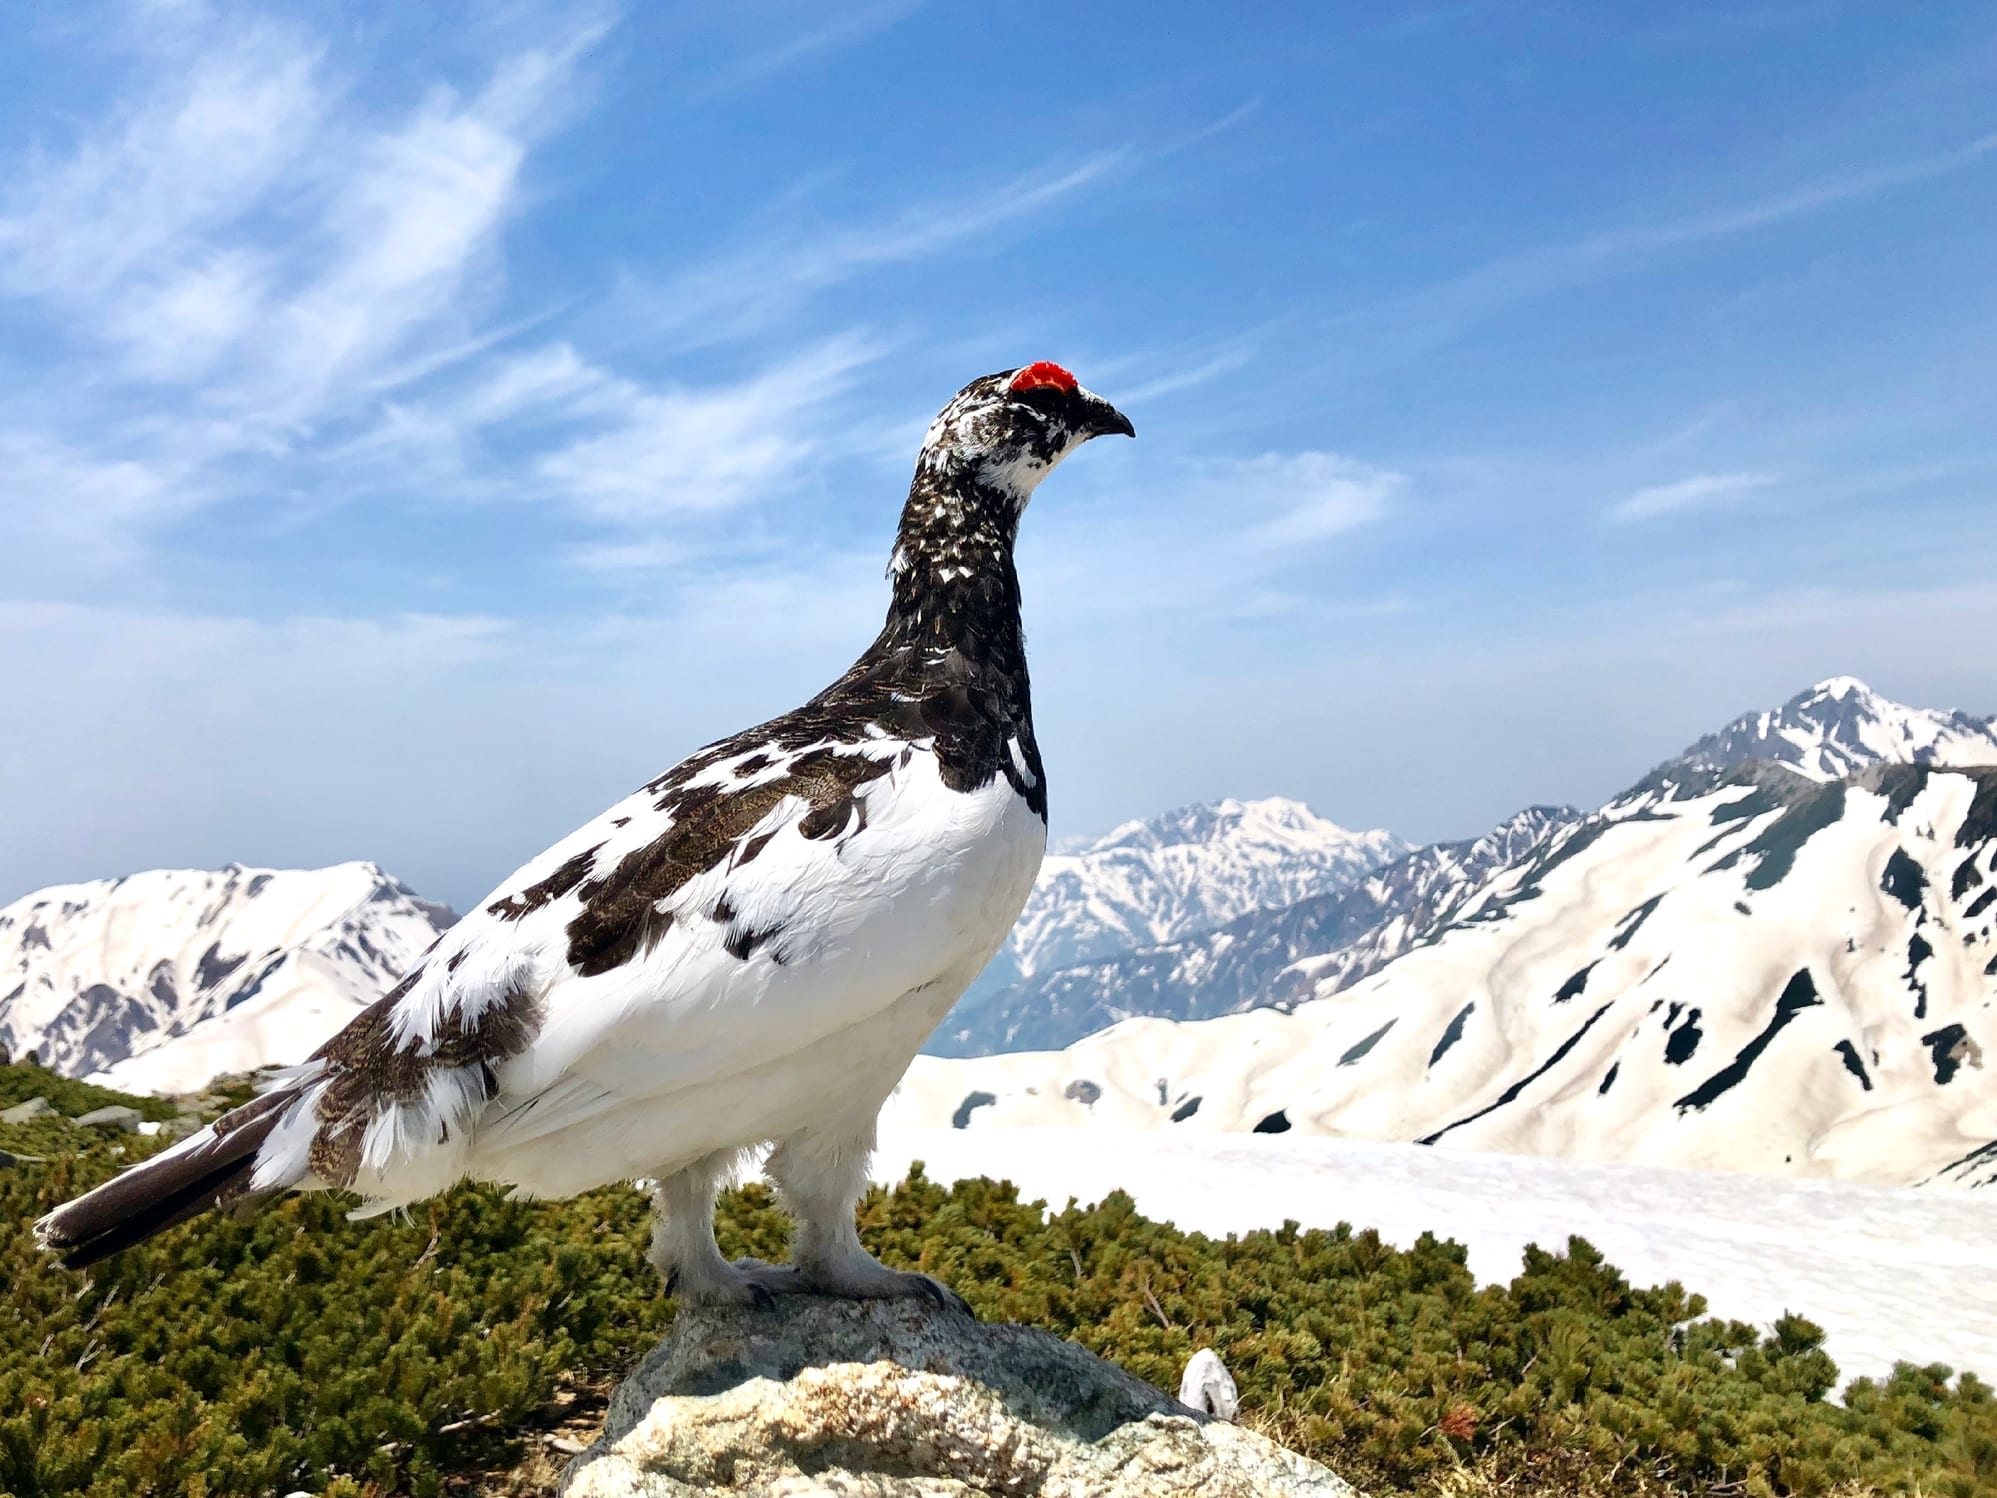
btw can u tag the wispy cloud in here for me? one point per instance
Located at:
(804, 34)
(1315, 496)
(1703, 491)
(1224, 542)
(673, 451)
(758, 284)
(1438, 311)
(130, 212)
(1178, 376)
(258, 279)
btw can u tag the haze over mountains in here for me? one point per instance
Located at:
(1774, 951)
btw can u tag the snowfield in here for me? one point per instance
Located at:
(1778, 974)
(1891, 1275)
(161, 981)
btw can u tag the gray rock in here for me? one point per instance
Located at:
(114, 1117)
(1208, 1387)
(891, 1399)
(32, 1109)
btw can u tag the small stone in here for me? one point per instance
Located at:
(114, 1117)
(1208, 1387)
(28, 1112)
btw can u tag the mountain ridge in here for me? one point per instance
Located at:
(1248, 960)
(226, 969)
(1764, 966)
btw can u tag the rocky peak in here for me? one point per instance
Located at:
(1833, 729)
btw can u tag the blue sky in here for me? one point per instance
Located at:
(418, 425)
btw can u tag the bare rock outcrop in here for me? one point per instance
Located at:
(899, 1400)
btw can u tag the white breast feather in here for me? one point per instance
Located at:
(934, 879)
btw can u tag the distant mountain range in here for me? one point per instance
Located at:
(1354, 920)
(1835, 729)
(1105, 909)
(1778, 951)
(1188, 870)
(162, 980)
(1774, 951)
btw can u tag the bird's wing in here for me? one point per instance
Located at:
(754, 899)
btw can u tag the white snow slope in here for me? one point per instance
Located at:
(1839, 727)
(1763, 972)
(1254, 959)
(1187, 870)
(161, 981)
(1889, 1275)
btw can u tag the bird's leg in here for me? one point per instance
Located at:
(821, 1173)
(683, 1247)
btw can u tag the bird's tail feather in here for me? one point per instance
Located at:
(204, 1170)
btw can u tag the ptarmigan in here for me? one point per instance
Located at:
(748, 950)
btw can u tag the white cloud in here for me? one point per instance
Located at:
(177, 325)
(675, 451)
(758, 284)
(1317, 495)
(238, 259)
(139, 197)
(87, 510)
(792, 35)
(1702, 491)
(268, 285)
(1178, 375)
(1222, 544)
(1435, 314)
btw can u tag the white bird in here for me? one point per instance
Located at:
(746, 951)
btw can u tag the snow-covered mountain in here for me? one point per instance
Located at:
(1268, 956)
(162, 980)
(1834, 729)
(1744, 966)
(1188, 870)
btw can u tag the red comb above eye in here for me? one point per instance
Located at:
(1046, 372)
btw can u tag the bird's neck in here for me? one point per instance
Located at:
(951, 659)
(955, 586)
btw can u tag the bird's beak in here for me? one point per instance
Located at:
(1100, 418)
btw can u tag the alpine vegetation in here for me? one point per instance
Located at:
(429, 1353)
(747, 950)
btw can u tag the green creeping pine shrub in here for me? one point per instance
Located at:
(241, 1355)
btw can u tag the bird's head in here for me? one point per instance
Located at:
(1006, 431)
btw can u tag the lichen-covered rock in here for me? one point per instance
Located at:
(114, 1117)
(28, 1112)
(899, 1400)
